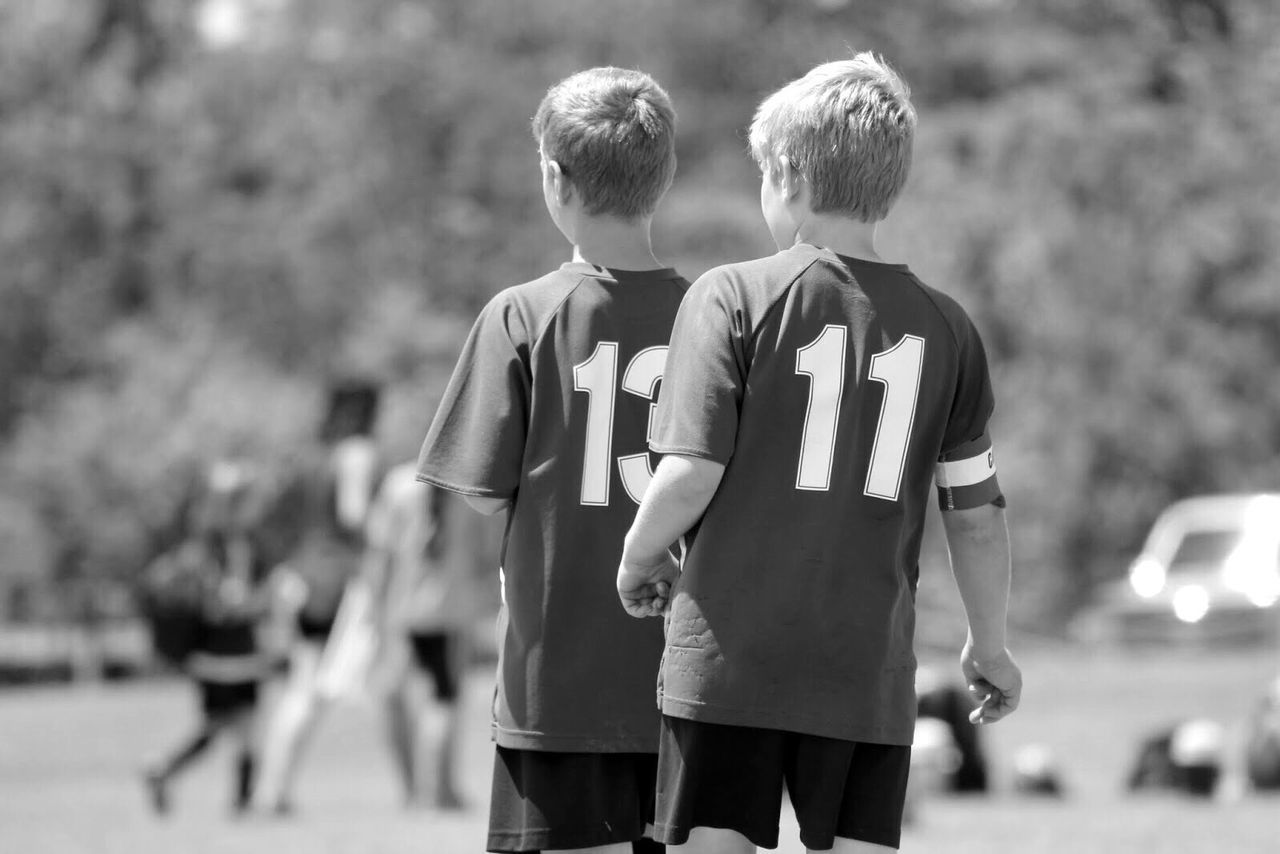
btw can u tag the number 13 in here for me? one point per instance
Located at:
(898, 369)
(598, 377)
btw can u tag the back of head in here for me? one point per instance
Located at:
(612, 131)
(848, 127)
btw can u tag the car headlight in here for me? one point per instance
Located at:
(1191, 603)
(1147, 577)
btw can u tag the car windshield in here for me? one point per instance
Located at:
(1204, 547)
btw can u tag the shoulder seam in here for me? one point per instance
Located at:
(955, 339)
(551, 315)
(782, 292)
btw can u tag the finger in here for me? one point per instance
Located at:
(980, 688)
(994, 707)
(636, 606)
(978, 715)
(991, 714)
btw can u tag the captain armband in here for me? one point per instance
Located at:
(966, 477)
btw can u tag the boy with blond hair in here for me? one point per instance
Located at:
(809, 399)
(547, 416)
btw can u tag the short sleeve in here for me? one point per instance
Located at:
(702, 385)
(966, 470)
(476, 442)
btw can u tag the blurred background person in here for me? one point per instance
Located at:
(208, 599)
(1262, 741)
(940, 699)
(338, 491)
(1186, 757)
(425, 546)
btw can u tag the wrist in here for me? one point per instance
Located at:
(636, 556)
(987, 649)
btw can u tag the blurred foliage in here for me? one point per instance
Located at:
(209, 208)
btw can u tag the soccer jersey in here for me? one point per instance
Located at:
(550, 406)
(834, 390)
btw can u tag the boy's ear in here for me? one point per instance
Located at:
(789, 177)
(559, 180)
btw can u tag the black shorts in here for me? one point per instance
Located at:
(710, 775)
(437, 654)
(544, 799)
(314, 628)
(221, 699)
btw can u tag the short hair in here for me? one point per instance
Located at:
(612, 130)
(847, 126)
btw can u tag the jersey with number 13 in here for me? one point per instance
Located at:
(550, 406)
(835, 391)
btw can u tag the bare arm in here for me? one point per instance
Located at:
(681, 489)
(978, 539)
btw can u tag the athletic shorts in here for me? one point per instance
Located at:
(219, 699)
(313, 628)
(711, 775)
(544, 799)
(436, 653)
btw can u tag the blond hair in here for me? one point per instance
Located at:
(612, 130)
(847, 126)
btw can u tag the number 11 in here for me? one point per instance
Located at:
(898, 369)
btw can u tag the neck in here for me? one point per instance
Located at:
(841, 235)
(611, 242)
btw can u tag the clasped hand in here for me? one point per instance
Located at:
(645, 586)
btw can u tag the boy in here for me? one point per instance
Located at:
(808, 397)
(547, 415)
(217, 573)
(423, 543)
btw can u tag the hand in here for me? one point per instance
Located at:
(995, 682)
(645, 588)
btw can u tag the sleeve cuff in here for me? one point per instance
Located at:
(688, 451)
(461, 489)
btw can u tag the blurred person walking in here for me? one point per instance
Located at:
(319, 582)
(206, 600)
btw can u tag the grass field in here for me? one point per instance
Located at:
(69, 760)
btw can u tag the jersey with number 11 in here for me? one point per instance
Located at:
(834, 390)
(551, 407)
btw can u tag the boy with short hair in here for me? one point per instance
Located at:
(809, 398)
(547, 416)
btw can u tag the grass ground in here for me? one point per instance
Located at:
(69, 760)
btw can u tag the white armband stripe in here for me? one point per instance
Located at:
(966, 472)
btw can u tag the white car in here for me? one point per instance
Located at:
(1209, 572)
